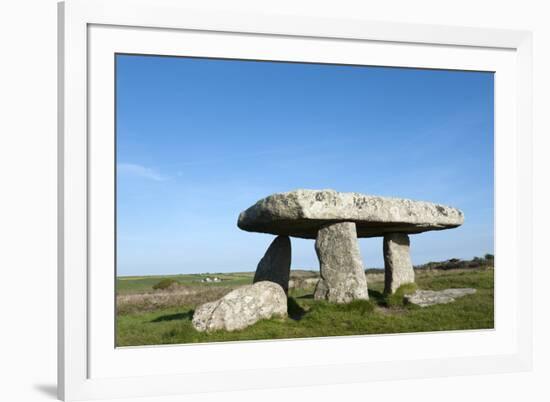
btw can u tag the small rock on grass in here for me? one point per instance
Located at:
(425, 298)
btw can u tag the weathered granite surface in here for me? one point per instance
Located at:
(241, 308)
(301, 213)
(275, 264)
(397, 262)
(342, 274)
(425, 298)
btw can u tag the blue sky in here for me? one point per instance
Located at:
(200, 140)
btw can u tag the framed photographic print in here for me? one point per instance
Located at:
(261, 194)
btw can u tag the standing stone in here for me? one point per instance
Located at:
(397, 261)
(275, 264)
(342, 275)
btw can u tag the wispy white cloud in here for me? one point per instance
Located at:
(136, 170)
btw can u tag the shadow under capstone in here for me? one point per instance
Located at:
(295, 311)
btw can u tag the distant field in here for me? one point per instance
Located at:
(149, 317)
(141, 284)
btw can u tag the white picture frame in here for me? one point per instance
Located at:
(90, 367)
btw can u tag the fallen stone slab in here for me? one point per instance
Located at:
(301, 213)
(425, 298)
(275, 264)
(342, 274)
(241, 308)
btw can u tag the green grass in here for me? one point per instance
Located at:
(310, 318)
(397, 299)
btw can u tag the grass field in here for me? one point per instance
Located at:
(149, 317)
(140, 284)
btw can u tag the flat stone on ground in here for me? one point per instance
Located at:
(241, 308)
(425, 298)
(301, 213)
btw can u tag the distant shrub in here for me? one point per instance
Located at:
(165, 284)
(455, 263)
(476, 262)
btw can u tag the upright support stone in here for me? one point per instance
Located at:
(397, 261)
(275, 264)
(342, 274)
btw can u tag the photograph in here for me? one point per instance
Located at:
(266, 200)
(275, 201)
